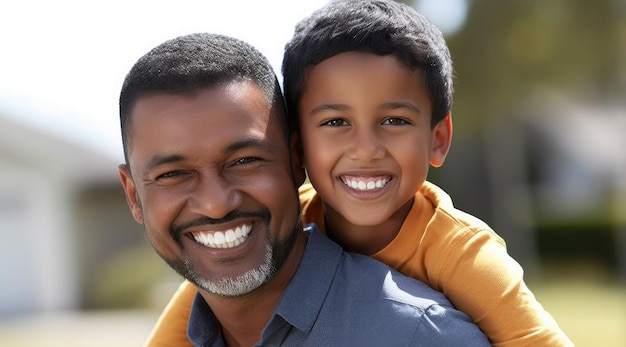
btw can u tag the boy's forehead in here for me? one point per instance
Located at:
(367, 67)
(401, 61)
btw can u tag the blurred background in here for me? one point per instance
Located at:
(539, 152)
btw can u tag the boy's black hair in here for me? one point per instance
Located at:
(189, 63)
(381, 27)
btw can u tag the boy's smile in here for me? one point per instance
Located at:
(365, 183)
(365, 122)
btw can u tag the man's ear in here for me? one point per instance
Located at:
(132, 197)
(297, 158)
(441, 140)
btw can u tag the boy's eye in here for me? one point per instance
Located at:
(395, 121)
(335, 123)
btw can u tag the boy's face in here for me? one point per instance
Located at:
(365, 123)
(212, 183)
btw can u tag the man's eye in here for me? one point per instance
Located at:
(335, 123)
(170, 174)
(246, 160)
(395, 121)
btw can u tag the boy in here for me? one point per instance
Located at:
(369, 84)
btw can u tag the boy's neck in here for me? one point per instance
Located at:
(367, 240)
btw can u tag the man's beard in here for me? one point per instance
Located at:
(240, 285)
(276, 253)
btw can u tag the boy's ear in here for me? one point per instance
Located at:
(132, 197)
(441, 140)
(297, 158)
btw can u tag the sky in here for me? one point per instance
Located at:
(63, 62)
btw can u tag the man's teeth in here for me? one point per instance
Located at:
(223, 239)
(366, 184)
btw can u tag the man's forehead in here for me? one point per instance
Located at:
(225, 116)
(234, 96)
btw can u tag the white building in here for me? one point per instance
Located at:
(62, 215)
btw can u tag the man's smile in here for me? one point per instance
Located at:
(223, 239)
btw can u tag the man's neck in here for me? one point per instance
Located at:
(242, 319)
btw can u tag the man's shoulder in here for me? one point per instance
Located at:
(368, 303)
(367, 294)
(367, 278)
(387, 283)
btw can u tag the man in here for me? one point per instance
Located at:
(212, 170)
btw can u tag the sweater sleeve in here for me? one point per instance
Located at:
(171, 327)
(481, 279)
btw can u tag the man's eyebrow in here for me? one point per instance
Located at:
(249, 143)
(159, 160)
(400, 104)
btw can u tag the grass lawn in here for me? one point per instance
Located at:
(591, 310)
(588, 305)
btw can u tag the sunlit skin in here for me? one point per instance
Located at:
(213, 161)
(366, 119)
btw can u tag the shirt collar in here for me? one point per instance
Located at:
(202, 329)
(312, 280)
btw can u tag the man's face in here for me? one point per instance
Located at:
(210, 178)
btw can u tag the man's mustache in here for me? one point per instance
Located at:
(176, 230)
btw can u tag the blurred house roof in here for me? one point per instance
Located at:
(23, 145)
(590, 135)
(581, 149)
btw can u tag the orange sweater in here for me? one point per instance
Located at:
(453, 252)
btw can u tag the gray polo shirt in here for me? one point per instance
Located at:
(345, 299)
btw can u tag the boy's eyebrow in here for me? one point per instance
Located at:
(401, 104)
(388, 106)
(329, 107)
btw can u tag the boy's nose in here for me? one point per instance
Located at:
(366, 146)
(214, 197)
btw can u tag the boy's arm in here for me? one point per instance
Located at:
(171, 328)
(480, 278)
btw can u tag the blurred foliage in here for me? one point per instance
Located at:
(507, 55)
(129, 280)
(519, 55)
(509, 52)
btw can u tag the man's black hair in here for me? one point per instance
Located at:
(189, 63)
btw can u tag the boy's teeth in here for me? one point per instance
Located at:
(223, 239)
(366, 184)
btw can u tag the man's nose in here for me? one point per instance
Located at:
(214, 197)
